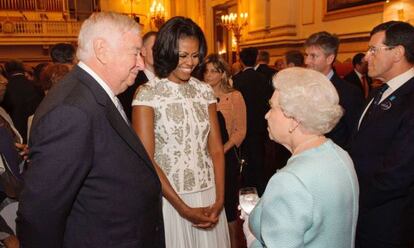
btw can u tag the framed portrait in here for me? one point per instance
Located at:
(338, 9)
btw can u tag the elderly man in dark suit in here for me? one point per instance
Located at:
(90, 182)
(320, 52)
(383, 146)
(358, 76)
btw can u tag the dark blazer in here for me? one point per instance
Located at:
(383, 153)
(127, 96)
(256, 93)
(352, 100)
(20, 101)
(90, 183)
(353, 78)
(267, 72)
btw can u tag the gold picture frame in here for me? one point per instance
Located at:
(363, 7)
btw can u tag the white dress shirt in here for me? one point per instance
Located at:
(393, 84)
(105, 86)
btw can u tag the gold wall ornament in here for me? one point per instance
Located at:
(8, 27)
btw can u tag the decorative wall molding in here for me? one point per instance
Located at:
(272, 32)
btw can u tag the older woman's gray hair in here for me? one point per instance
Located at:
(308, 97)
(105, 25)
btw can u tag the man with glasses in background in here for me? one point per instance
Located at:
(383, 146)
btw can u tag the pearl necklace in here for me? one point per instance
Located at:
(306, 142)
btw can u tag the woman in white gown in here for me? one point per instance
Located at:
(175, 117)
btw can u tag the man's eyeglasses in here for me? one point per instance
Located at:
(374, 50)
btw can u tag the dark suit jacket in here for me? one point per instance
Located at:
(90, 183)
(351, 99)
(267, 72)
(353, 78)
(127, 96)
(20, 102)
(256, 93)
(383, 153)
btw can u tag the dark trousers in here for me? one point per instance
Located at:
(364, 242)
(253, 150)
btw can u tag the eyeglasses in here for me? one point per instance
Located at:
(375, 50)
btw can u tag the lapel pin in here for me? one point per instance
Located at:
(385, 105)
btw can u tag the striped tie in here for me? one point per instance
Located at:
(118, 106)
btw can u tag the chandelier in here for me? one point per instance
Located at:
(157, 14)
(235, 23)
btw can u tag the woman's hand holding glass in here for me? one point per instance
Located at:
(248, 199)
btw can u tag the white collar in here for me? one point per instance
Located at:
(150, 75)
(248, 67)
(399, 80)
(330, 74)
(98, 79)
(358, 74)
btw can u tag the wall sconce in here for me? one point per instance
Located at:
(401, 14)
(399, 10)
(157, 14)
(235, 23)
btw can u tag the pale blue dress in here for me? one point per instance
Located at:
(312, 202)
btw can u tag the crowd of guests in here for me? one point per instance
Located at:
(145, 142)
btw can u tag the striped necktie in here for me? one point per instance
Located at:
(118, 106)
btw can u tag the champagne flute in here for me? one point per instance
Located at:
(248, 198)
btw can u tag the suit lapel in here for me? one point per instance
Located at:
(393, 100)
(114, 117)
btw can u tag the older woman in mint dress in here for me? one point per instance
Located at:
(313, 200)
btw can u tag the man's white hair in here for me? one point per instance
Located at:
(309, 97)
(106, 25)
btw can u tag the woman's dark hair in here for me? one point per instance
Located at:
(165, 49)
